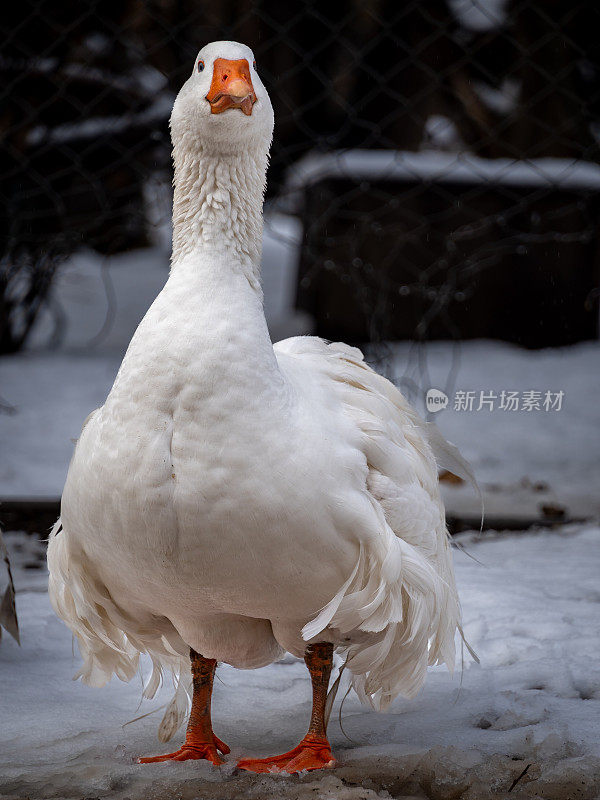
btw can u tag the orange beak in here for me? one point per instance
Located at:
(231, 86)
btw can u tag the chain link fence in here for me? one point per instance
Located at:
(442, 155)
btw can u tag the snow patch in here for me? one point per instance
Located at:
(443, 167)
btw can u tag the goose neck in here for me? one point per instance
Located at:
(217, 206)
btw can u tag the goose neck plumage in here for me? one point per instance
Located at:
(217, 206)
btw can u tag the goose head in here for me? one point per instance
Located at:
(223, 107)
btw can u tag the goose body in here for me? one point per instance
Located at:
(239, 498)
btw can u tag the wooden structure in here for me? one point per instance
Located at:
(433, 245)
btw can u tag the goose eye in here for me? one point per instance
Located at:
(200, 65)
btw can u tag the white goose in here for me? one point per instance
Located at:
(232, 499)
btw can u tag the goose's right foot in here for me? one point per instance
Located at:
(200, 741)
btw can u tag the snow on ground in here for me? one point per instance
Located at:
(531, 611)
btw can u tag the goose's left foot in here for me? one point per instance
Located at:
(200, 741)
(314, 751)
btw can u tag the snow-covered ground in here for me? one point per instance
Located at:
(531, 611)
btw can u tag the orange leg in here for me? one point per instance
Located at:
(314, 751)
(200, 741)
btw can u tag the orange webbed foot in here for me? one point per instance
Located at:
(313, 752)
(193, 751)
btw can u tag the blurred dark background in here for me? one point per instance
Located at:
(437, 246)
